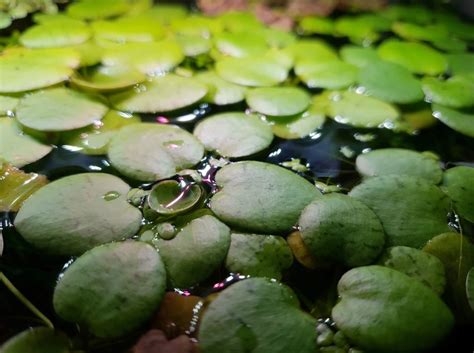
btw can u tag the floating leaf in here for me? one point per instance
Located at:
(416, 57)
(37, 340)
(219, 91)
(359, 110)
(252, 71)
(455, 92)
(367, 292)
(59, 109)
(358, 29)
(128, 29)
(239, 321)
(416, 212)
(278, 101)
(457, 183)
(313, 49)
(461, 64)
(76, 213)
(196, 251)
(96, 9)
(258, 255)
(56, 34)
(162, 94)
(197, 25)
(193, 45)
(398, 161)
(456, 120)
(358, 56)
(413, 13)
(261, 197)
(18, 148)
(165, 13)
(412, 31)
(316, 25)
(131, 273)
(234, 134)
(107, 78)
(426, 268)
(339, 229)
(8, 104)
(390, 82)
(150, 152)
(170, 197)
(240, 44)
(332, 75)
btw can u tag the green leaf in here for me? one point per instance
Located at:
(239, 321)
(139, 28)
(258, 255)
(456, 120)
(377, 303)
(130, 273)
(150, 152)
(461, 64)
(59, 109)
(37, 340)
(96, 9)
(430, 33)
(8, 104)
(240, 44)
(278, 101)
(358, 56)
(312, 49)
(455, 92)
(457, 183)
(76, 213)
(340, 230)
(55, 35)
(193, 45)
(260, 197)
(196, 252)
(416, 210)
(234, 134)
(219, 91)
(18, 148)
(162, 94)
(332, 75)
(398, 161)
(316, 25)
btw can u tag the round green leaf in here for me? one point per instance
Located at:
(162, 94)
(96, 9)
(258, 255)
(219, 91)
(426, 268)
(150, 152)
(412, 210)
(398, 161)
(332, 75)
(193, 45)
(359, 110)
(456, 120)
(57, 34)
(107, 78)
(132, 276)
(252, 71)
(37, 340)
(234, 134)
(313, 25)
(18, 148)
(76, 213)
(456, 92)
(240, 321)
(470, 287)
(278, 101)
(415, 32)
(358, 56)
(458, 184)
(416, 57)
(8, 104)
(461, 64)
(390, 82)
(409, 13)
(240, 44)
(128, 29)
(261, 197)
(197, 250)
(59, 109)
(376, 305)
(313, 49)
(169, 197)
(339, 229)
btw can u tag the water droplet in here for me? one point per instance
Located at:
(111, 195)
(173, 143)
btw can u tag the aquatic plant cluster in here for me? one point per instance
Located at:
(139, 150)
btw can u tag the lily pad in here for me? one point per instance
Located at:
(240, 44)
(37, 340)
(97, 9)
(332, 75)
(76, 213)
(390, 82)
(197, 250)
(252, 71)
(59, 109)
(455, 92)
(162, 94)
(416, 57)
(458, 184)
(258, 255)
(415, 32)
(359, 110)
(456, 120)
(128, 29)
(219, 91)
(168, 150)
(278, 101)
(239, 321)
(342, 230)
(359, 30)
(398, 161)
(470, 287)
(260, 197)
(314, 24)
(193, 45)
(8, 104)
(131, 273)
(234, 134)
(416, 212)
(358, 56)
(169, 197)
(318, 50)
(426, 268)
(461, 64)
(107, 78)
(367, 292)
(55, 35)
